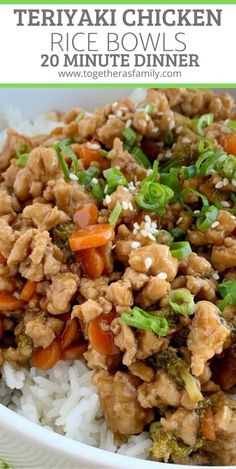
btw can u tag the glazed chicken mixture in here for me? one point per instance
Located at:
(118, 246)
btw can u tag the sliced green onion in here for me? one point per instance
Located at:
(130, 137)
(190, 190)
(86, 176)
(231, 124)
(204, 121)
(22, 160)
(60, 147)
(149, 108)
(23, 148)
(209, 160)
(206, 217)
(227, 291)
(205, 144)
(66, 141)
(177, 232)
(229, 167)
(152, 176)
(114, 178)
(115, 214)
(141, 157)
(97, 190)
(218, 202)
(180, 249)
(188, 172)
(169, 138)
(182, 301)
(143, 320)
(171, 163)
(153, 197)
(103, 152)
(171, 180)
(163, 237)
(79, 117)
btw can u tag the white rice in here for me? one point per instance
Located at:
(62, 399)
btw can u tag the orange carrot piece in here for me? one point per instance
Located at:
(100, 338)
(92, 236)
(74, 352)
(9, 302)
(86, 215)
(88, 155)
(230, 144)
(69, 334)
(92, 262)
(3, 259)
(28, 290)
(208, 425)
(46, 358)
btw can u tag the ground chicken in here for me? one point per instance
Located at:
(126, 162)
(95, 360)
(126, 199)
(123, 248)
(224, 257)
(35, 255)
(216, 234)
(152, 292)
(93, 289)
(136, 279)
(149, 343)
(124, 338)
(42, 330)
(6, 202)
(154, 259)
(118, 395)
(112, 129)
(120, 294)
(9, 149)
(195, 264)
(163, 391)
(60, 293)
(88, 125)
(203, 288)
(184, 423)
(44, 216)
(207, 335)
(143, 371)
(88, 310)
(7, 237)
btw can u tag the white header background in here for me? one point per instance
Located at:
(22, 47)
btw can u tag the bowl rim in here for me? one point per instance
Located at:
(77, 451)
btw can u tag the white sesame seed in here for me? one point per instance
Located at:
(94, 181)
(179, 129)
(179, 220)
(215, 224)
(16, 294)
(155, 129)
(147, 219)
(93, 146)
(115, 104)
(224, 203)
(219, 184)
(111, 116)
(125, 189)
(113, 246)
(233, 182)
(135, 245)
(196, 211)
(162, 275)
(226, 130)
(215, 276)
(128, 123)
(125, 205)
(153, 224)
(160, 113)
(131, 186)
(148, 262)
(225, 181)
(171, 125)
(150, 236)
(168, 154)
(142, 123)
(135, 231)
(149, 172)
(233, 217)
(108, 199)
(186, 140)
(123, 108)
(147, 117)
(136, 225)
(131, 206)
(144, 233)
(117, 166)
(119, 114)
(73, 177)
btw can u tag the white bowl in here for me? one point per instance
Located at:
(24, 444)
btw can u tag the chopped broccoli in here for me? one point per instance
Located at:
(179, 370)
(167, 445)
(60, 235)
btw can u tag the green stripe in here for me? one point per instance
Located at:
(117, 85)
(118, 2)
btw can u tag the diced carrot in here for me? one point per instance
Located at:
(208, 425)
(101, 338)
(230, 144)
(92, 236)
(233, 117)
(74, 352)
(28, 290)
(92, 262)
(86, 215)
(9, 302)
(69, 334)
(3, 259)
(88, 155)
(46, 358)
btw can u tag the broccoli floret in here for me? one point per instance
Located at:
(167, 445)
(180, 372)
(60, 235)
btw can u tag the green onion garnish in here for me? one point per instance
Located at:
(177, 232)
(220, 203)
(79, 117)
(171, 180)
(209, 160)
(188, 172)
(231, 124)
(61, 148)
(66, 141)
(169, 138)
(97, 190)
(86, 176)
(190, 190)
(229, 167)
(181, 301)
(143, 320)
(180, 249)
(227, 291)
(114, 178)
(206, 217)
(130, 137)
(141, 157)
(103, 152)
(171, 163)
(115, 214)
(204, 121)
(23, 152)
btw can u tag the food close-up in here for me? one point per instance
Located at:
(118, 275)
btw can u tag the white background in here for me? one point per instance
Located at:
(22, 47)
